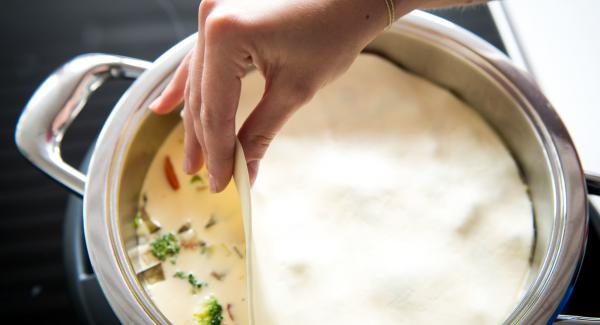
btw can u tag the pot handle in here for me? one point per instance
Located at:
(593, 183)
(576, 320)
(593, 186)
(57, 102)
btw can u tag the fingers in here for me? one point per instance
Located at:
(173, 93)
(261, 126)
(193, 94)
(171, 96)
(221, 86)
(193, 152)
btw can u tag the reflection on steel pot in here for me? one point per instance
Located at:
(427, 46)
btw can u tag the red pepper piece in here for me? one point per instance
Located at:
(229, 312)
(170, 173)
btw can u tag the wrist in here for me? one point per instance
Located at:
(403, 7)
(385, 12)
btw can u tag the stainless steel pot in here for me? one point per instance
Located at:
(430, 47)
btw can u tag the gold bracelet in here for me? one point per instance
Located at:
(391, 12)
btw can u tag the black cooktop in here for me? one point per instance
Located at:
(38, 246)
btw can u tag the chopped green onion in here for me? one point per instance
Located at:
(192, 280)
(237, 252)
(137, 220)
(211, 221)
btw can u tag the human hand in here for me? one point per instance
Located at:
(297, 45)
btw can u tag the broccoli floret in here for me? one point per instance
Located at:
(165, 246)
(211, 313)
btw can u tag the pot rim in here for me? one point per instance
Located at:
(538, 305)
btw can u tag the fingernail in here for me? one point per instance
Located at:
(212, 184)
(252, 166)
(252, 170)
(154, 103)
(187, 165)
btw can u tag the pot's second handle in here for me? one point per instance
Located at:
(576, 320)
(593, 187)
(56, 103)
(593, 183)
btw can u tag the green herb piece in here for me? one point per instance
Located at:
(144, 198)
(237, 252)
(211, 221)
(204, 249)
(226, 249)
(137, 220)
(196, 284)
(211, 312)
(196, 178)
(165, 246)
(192, 280)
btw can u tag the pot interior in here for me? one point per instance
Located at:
(475, 83)
(486, 94)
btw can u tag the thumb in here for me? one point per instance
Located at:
(280, 100)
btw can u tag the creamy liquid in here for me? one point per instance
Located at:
(193, 203)
(386, 200)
